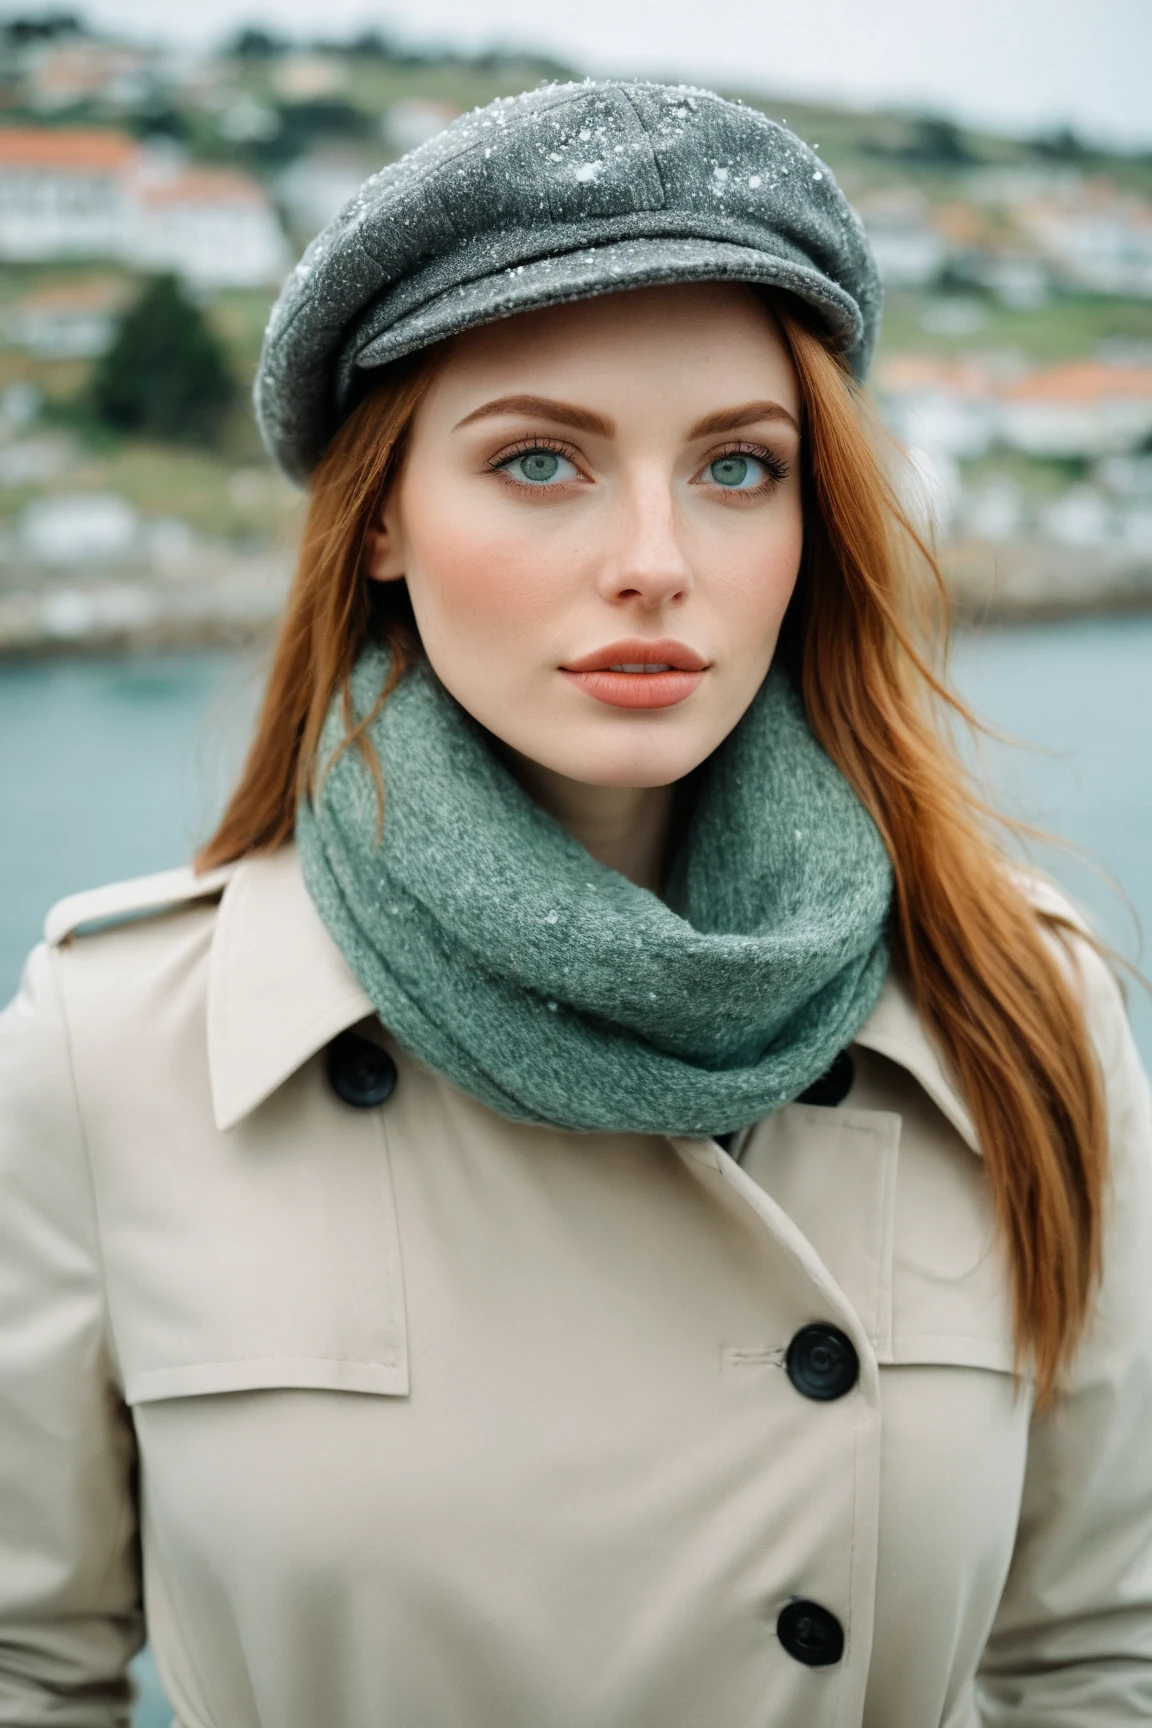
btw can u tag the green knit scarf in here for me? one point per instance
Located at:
(497, 950)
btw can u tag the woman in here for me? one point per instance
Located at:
(605, 1199)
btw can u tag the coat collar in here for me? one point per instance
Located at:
(278, 987)
(894, 1029)
(279, 990)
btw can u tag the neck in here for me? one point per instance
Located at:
(625, 828)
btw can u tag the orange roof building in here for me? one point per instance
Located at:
(69, 150)
(75, 192)
(1082, 408)
(1080, 381)
(204, 187)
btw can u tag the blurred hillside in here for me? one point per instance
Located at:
(1016, 359)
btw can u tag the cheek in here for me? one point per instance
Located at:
(758, 567)
(473, 579)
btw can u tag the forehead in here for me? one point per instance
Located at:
(711, 338)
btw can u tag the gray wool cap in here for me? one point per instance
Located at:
(563, 193)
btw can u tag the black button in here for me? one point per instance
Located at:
(833, 1085)
(822, 1363)
(360, 1072)
(810, 1634)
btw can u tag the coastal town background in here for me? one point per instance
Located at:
(152, 200)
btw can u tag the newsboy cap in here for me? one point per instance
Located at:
(563, 193)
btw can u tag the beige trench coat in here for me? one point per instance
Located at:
(411, 1417)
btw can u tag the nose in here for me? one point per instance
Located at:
(646, 560)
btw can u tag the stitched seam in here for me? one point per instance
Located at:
(267, 1356)
(86, 1160)
(114, 1717)
(390, 1228)
(647, 137)
(852, 1554)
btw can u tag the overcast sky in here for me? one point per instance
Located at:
(1019, 64)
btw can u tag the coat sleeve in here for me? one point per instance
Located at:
(70, 1596)
(1072, 1641)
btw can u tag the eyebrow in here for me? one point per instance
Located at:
(543, 408)
(749, 414)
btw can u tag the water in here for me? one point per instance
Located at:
(112, 768)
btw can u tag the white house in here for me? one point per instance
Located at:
(64, 194)
(63, 73)
(315, 187)
(1097, 237)
(948, 407)
(908, 246)
(66, 321)
(213, 226)
(101, 194)
(1082, 408)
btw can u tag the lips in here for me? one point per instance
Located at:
(620, 676)
(638, 651)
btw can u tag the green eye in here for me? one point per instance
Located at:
(537, 466)
(730, 470)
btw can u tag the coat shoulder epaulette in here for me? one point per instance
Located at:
(124, 902)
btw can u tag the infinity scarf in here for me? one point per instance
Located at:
(554, 990)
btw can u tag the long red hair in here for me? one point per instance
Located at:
(981, 961)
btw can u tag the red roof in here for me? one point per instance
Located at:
(1083, 381)
(203, 186)
(73, 150)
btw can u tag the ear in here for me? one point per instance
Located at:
(382, 558)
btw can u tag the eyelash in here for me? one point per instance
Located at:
(776, 468)
(496, 463)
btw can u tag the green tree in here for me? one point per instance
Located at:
(166, 373)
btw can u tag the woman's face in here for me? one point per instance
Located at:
(614, 483)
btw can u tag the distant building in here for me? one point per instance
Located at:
(909, 248)
(214, 227)
(78, 527)
(315, 187)
(1095, 236)
(1017, 278)
(64, 194)
(308, 77)
(991, 255)
(994, 510)
(1082, 517)
(949, 407)
(101, 194)
(67, 321)
(1082, 408)
(961, 407)
(62, 74)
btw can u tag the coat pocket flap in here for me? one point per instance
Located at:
(265, 1257)
(266, 1373)
(953, 1350)
(898, 1207)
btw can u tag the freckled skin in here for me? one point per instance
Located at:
(634, 537)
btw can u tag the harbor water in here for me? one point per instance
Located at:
(114, 768)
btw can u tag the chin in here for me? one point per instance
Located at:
(636, 763)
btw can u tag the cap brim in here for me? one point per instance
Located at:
(582, 275)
